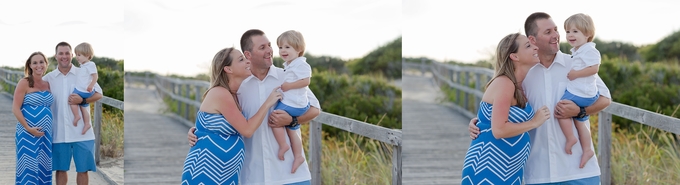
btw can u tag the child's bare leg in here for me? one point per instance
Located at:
(565, 125)
(280, 136)
(584, 137)
(296, 144)
(76, 115)
(86, 119)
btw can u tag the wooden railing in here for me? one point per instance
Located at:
(187, 94)
(9, 79)
(467, 83)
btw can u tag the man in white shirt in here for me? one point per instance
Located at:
(261, 164)
(544, 84)
(68, 140)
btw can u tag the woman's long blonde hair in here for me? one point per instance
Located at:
(505, 67)
(217, 75)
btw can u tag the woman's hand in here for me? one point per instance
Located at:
(541, 115)
(474, 130)
(35, 131)
(274, 97)
(192, 137)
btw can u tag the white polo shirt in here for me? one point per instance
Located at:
(586, 55)
(261, 165)
(61, 87)
(296, 70)
(548, 161)
(84, 76)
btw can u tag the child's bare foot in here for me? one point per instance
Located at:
(85, 128)
(571, 141)
(587, 154)
(75, 120)
(297, 162)
(282, 150)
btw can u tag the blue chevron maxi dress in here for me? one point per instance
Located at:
(218, 155)
(34, 154)
(497, 161)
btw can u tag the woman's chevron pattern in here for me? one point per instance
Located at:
(218, 155)
(497, 161)
(34, 154)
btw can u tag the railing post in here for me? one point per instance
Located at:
(97, 130)
(396, 164)
(199, 93)
(478, 87)
(466, 101)
(604, 143)
(146, 79)
(175, 91)
(315, 150)
(126, 79)
(460, 94)
(422, 66)
(186, 105)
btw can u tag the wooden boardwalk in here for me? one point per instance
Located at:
(435, 137)
(155, 145)
(8, 148)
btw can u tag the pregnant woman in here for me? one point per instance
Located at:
(500, 152)
(218, 155)
(31, 107)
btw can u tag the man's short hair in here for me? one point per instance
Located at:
(530, 27)
(62, 44)
(247, 42)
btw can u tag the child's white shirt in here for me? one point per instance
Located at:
(296, 70)
(586, 55)
(84, 75)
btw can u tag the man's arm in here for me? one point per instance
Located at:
(74, 99)
(280, 118)
(568, 109)
(600, 104)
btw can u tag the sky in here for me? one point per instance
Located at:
(181, 37)
(445, 30)
(29, 26)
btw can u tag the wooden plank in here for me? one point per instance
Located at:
(97, 130)
(435, 136)
(390, 136)
(155, 145)
(396, 165)
(112, 102)
(646, 117)
(604, 145)
(315, 151)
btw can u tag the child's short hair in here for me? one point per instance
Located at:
(84, 49)
(582, 22)
(294, 38)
